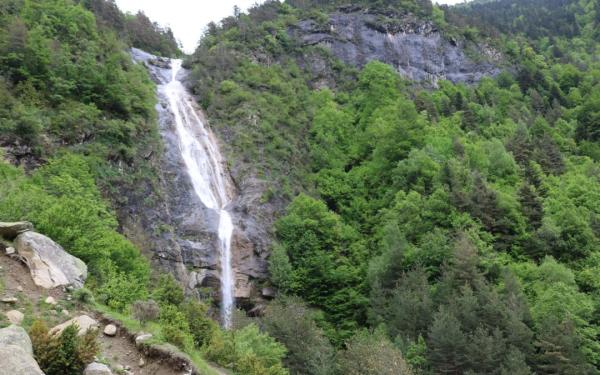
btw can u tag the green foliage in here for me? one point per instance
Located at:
(370, 354)
(169, 291)
(66, 353)
(423, 211)
(201, 324)
(175, 328)
(290, 322)
(83, 296)
(247, 350)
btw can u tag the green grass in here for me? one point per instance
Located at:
(153, 328)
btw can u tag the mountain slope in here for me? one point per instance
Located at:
(442, 216)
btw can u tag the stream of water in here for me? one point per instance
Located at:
(205, 165)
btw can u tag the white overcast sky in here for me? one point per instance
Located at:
(188, 18)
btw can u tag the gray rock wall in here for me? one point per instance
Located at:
(415, 48)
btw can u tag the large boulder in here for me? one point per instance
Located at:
(16, 361)
(16, 336)
(83, 322)
(12, 230)
(50, 265)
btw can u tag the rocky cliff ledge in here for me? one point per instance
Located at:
(416, 48)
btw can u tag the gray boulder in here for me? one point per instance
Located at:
(15, 336)
(16, 361)
(83, 322)
(12, 230)
(50, 265)
(96, 368)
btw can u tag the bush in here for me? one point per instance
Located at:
(84, 296)
(175, 328)
(145, 311)
(169, 291)
(372, 354)
(121, 290)
(66, 354)
(248, 351)
(201, 325)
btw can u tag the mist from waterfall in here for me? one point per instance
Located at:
(205, 165)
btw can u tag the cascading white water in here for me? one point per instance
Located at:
(204, 164)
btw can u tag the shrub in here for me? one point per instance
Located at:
(201, 325)
(121, 290)
(66, 354)
(247, 350)
(169, 291)
(83, 295)
(175, 328)
(145, 311)
(372, 354)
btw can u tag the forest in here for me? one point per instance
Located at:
(447, 229)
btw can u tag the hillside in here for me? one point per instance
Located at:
(456, 218)
(411, 188)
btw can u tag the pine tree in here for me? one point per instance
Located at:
(446, 344)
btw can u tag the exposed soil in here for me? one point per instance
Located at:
(117, 352)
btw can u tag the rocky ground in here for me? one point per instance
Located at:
(23, 300)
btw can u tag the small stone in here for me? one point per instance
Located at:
(10, 250)
(20, 288)
(65, 312)
(110, 330)
(9, 300)
(15, 317)
(142, 337)
(51, 301)
(96, 368)
(142, 363)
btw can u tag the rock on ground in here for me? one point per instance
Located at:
(15, 336)
(96, 368)
(12, 230)
(14, 317)
(110, 330)
(50, 265)
(50, 300)
(83, 322)
(140, 338)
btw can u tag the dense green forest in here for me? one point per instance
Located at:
(452, 229)
(456, 224)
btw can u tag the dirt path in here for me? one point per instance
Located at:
(118, 352)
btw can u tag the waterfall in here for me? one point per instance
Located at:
(205, 165)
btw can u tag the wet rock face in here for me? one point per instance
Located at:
(415, 48)
(178, 231)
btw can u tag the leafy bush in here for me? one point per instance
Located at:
(65, 354)
(372, 354)
(84, 296)
(201, 325)
(169, 291)
(120, 290)
(175, 328)
(145, 311)
(248, 351)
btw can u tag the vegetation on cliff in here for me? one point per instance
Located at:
(458, 222)
(449, 229)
